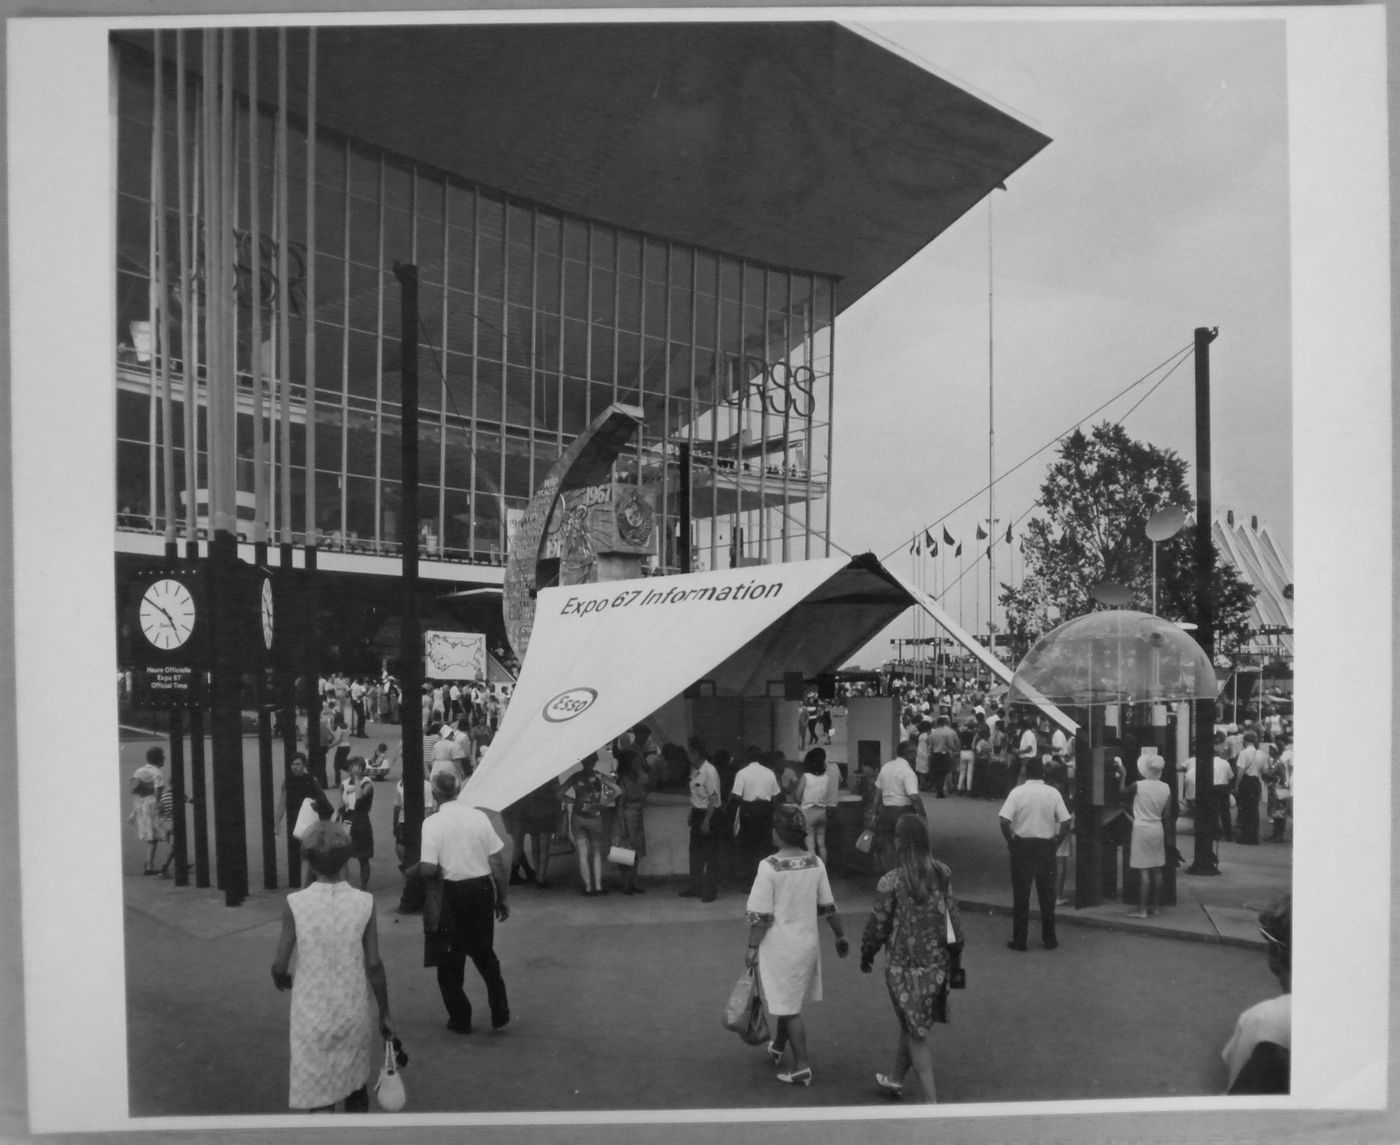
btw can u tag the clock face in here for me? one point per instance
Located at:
(267, 624)
(167, 614)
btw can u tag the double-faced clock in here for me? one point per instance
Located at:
(167, 614)
(266, 611)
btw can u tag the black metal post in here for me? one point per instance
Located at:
(230, 822)
(197, 792)
(1203, 737)
(266, 790)
(410, 634)
(683, 497)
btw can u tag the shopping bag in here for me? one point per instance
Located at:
(388, 1090)
(306, 819)
(866, 841)
(744, 1012)
(622, 856)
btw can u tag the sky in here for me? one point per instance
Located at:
(1160, 205)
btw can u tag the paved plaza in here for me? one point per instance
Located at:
(616, 1001)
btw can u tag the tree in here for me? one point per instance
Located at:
(1096, 498)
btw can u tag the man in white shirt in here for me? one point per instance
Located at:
(1259, 1052)
(461, 846)
(754, 792)
(1034, 819)
(704, 835)
(898, 788)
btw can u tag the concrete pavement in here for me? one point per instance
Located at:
(616, 1000)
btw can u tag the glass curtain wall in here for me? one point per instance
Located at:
(532, 323)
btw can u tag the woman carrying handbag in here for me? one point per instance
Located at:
(916, 919)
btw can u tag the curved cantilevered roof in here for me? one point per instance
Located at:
(801, 145)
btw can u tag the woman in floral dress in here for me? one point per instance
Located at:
(914, 907)
(789, 893)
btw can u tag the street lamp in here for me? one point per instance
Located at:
(1163, 525)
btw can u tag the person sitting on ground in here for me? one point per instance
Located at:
(1258, 1054)
(377, 766)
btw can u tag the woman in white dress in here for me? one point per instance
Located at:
(789, 892)
(1151, 802)
(339, 983)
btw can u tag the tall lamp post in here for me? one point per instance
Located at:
(1163, 525)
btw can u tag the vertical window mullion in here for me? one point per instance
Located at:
(714, 424)
(534, 336)
(588, 328)
(476, 357)
(345, 363)
(442, 393)
(503, 531)
(379, 360)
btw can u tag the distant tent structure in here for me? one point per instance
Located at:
(1260, 560)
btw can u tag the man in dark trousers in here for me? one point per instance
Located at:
(1034, 819)
(466, 875)
(943, 749)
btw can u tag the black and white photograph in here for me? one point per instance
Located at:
(828, 482)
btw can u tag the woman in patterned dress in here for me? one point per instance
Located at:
(789, 892)
(914, 906)
(339, 982)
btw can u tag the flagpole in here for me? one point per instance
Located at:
(991, 445)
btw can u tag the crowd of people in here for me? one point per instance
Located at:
(763, 825)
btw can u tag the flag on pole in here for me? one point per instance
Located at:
(981, 533)
(933, 548)
(947, 536)
(928, 540)
(1008, 534)
(913, 548)
(958, 551)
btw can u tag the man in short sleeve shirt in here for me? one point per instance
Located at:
(755, 789)
(704, 835)
(460, 844)
(1034, 819)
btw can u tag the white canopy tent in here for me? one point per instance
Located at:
(603, 656)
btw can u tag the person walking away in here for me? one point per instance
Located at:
(356, 802)
(466, 879)
(913, 914)
(1250, 765)
(754, 794)
(898, 789)
(943, 751)
(1027, 748)
(1150, 801)
(590, 790)
(340, 994)
(147, 783)
(1259, 1052)
(1034, 819)
(630, 827)
(705, 838)
(790, 892)
(921, 753)
(358, 692)
(812, 798)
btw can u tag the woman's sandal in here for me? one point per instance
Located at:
(797, 1077)
(893, 1088)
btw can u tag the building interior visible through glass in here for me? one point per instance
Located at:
(533, 322)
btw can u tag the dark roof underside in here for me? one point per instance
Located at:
(802, 145)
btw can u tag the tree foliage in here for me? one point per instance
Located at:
(1096, 499)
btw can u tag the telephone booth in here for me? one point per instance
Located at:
(1117, 673)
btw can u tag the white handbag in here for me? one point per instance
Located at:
(622, 856)
(306, 819)
(388, 1090)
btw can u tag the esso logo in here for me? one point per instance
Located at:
(567, 705)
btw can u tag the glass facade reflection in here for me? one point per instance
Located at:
(533, 322)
